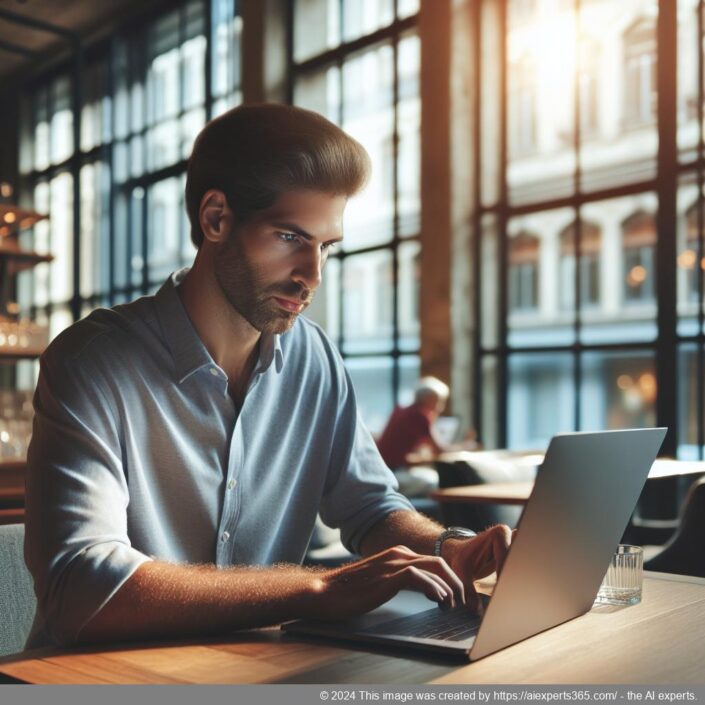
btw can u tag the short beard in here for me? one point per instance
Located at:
(243, 287)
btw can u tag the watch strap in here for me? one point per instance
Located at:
(452, 532)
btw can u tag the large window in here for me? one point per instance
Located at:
(357, 63)
(146, 95)
(589, 228)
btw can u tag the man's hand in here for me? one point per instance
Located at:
(478, 557)
(360, 587)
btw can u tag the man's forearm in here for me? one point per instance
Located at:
(407, 528)
(162, 600)
(165, 600)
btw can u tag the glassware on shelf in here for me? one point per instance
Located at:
(22, 336)
(16, 414)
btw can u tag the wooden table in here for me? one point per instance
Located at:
(519, 492)
(657, 642)
(489, 493)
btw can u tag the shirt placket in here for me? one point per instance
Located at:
(227, 539)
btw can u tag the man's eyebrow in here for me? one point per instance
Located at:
(292, 227)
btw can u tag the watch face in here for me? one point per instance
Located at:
(460, 531)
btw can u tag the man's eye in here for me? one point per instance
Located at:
(288, 237)
(328, 246)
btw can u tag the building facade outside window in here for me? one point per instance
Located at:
(524, 272)
(589, 259)
(640, 73)
(593, 352)
(639, 245)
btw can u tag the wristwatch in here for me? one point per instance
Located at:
(452, 532)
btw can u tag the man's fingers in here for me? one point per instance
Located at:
(492, 546)
(437, 566)
(400, 556)
(473, 599)
(501, 540)
(412, 578)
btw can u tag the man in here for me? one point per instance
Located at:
(411, 428)
(184, 443)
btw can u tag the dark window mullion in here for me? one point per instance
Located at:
(146, 197)
(478, 387)
(577, 240)
(502, 328)
(666, 358)
(395, 204)
(76, 106)
(110, 151)
(341, 270)
(700, 347)
(208, 59)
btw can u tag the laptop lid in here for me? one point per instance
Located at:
(445, 429)
(584, 494)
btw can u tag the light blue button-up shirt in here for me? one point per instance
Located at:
(139, 452)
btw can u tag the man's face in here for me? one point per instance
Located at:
(270, 267)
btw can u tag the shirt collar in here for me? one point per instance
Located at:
(187, 349)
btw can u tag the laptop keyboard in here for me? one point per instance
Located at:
(455, 624)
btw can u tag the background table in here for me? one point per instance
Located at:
(518, 493)
(657, 642)
(490, 493)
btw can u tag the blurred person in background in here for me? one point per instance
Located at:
(411, 436)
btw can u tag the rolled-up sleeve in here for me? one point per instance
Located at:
(361, 489)
(76, 542)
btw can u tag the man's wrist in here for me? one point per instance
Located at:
(452, 533)
(451, 547)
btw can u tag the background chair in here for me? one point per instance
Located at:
(481, 468)
(684, 554)
(17, 601)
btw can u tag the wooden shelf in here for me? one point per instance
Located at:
(12, 516)
(12, 474)
(19, 260)
(14, 218)
(18, 465)
(8, 356)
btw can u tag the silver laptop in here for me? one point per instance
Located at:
(584, 494)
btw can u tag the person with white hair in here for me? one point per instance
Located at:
(411, 428)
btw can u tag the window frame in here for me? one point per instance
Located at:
(105, 56)
(335, 57)
(497, 353)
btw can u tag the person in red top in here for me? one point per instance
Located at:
(411, 427)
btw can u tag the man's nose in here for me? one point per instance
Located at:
(308, 269)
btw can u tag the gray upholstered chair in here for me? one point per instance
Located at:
(684, 554)
(17, 600)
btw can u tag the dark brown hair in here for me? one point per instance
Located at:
(253, 153)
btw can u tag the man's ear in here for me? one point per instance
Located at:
(215, 216)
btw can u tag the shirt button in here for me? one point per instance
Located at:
(225, 536)
(214, 371)
(231, 484)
